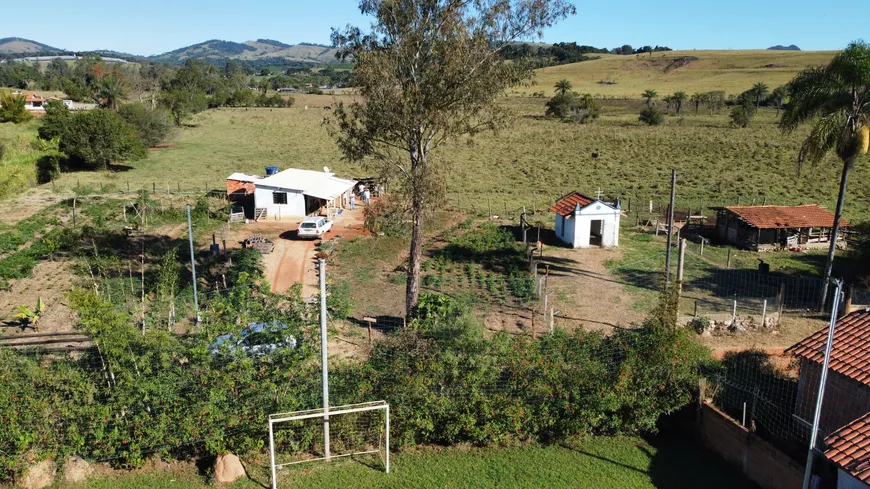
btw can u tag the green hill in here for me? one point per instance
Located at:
(18, 45)
(250, 51)
(667, 72)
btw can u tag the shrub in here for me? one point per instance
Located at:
(48, 167)
(742, 114)
(651, 116)
(12, 108)
(2, 151)
(99, 137)
(387, 216)
(152, 126)
(51, 125)
(571, 107)
(338, 299)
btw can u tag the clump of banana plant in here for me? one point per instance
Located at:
(30, 317)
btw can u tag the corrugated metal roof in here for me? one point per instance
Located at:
(850, 352)
(783, 216)
(849, 448)
(318, 184)
(244, 177)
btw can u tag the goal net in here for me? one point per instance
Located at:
(354, 430)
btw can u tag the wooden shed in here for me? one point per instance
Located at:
(768, 227)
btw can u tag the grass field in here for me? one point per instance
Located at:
(531, 163)
(598, 463)
(690, 71)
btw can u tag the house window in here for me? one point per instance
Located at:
(279, 197)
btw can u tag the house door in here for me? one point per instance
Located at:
(595, 227)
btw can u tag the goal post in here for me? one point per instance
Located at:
(326, 434)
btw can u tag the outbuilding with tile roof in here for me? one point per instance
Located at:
(759, 227)
(582, 222)
(849, 449)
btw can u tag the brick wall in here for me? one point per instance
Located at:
(243, 188)
(758, 459)
(845, 399)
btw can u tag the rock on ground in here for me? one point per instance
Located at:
(228, 468)
(76, 470)
(39, 476)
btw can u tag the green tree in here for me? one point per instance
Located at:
(112, 91)
(570, 106)
(742, 114)
(428, 73)
(12, 108)
(651, 115)
(99, 137)
(714, 100)
(778, 96)
(152, 126)
(696, 100)
(182, 103)
(835, 100)
(563, 86)
(760, 90)
(649, 96)
(668, 100)
(51, 125)
(678, 98)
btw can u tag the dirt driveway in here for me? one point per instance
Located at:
(293, 260)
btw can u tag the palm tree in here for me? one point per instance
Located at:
(668, 100)
(13, 107)
(696, 99)
(562, 86)
(759, 91)
(649, 95)
(678, 98)
(835, 99)
(112, 91)
(778, 96)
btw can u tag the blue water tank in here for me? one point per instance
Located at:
(271, 170)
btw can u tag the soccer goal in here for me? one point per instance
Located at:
(327, 434)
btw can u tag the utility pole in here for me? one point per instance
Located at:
(670, 228)
(324, 367)
(822, 379)
(193, 266)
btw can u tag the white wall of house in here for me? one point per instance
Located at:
(264, 198)
(846, 481)
(596, 217)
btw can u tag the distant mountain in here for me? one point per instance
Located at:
(18, 45)
(261, 49)
(780, 47)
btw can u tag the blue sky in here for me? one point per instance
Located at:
(156, 26)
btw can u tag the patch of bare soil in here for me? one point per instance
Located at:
(584, 291)
(51, 281)
(28, 204)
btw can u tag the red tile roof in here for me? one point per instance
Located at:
(783, 216)
(850, 353)
(566, 205)
(849, 448)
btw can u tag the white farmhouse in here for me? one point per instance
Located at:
(582, 222)
(289, 193)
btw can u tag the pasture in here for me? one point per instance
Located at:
(530, 163)
(596, 463)
(690, 71)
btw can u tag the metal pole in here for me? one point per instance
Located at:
(744, 415)
(323, 359)
(192, 265)
(763, 312)
(272, 455)
(388, 439)
(823, 378)
(670, 227)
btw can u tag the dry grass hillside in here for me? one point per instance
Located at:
(690, 71)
